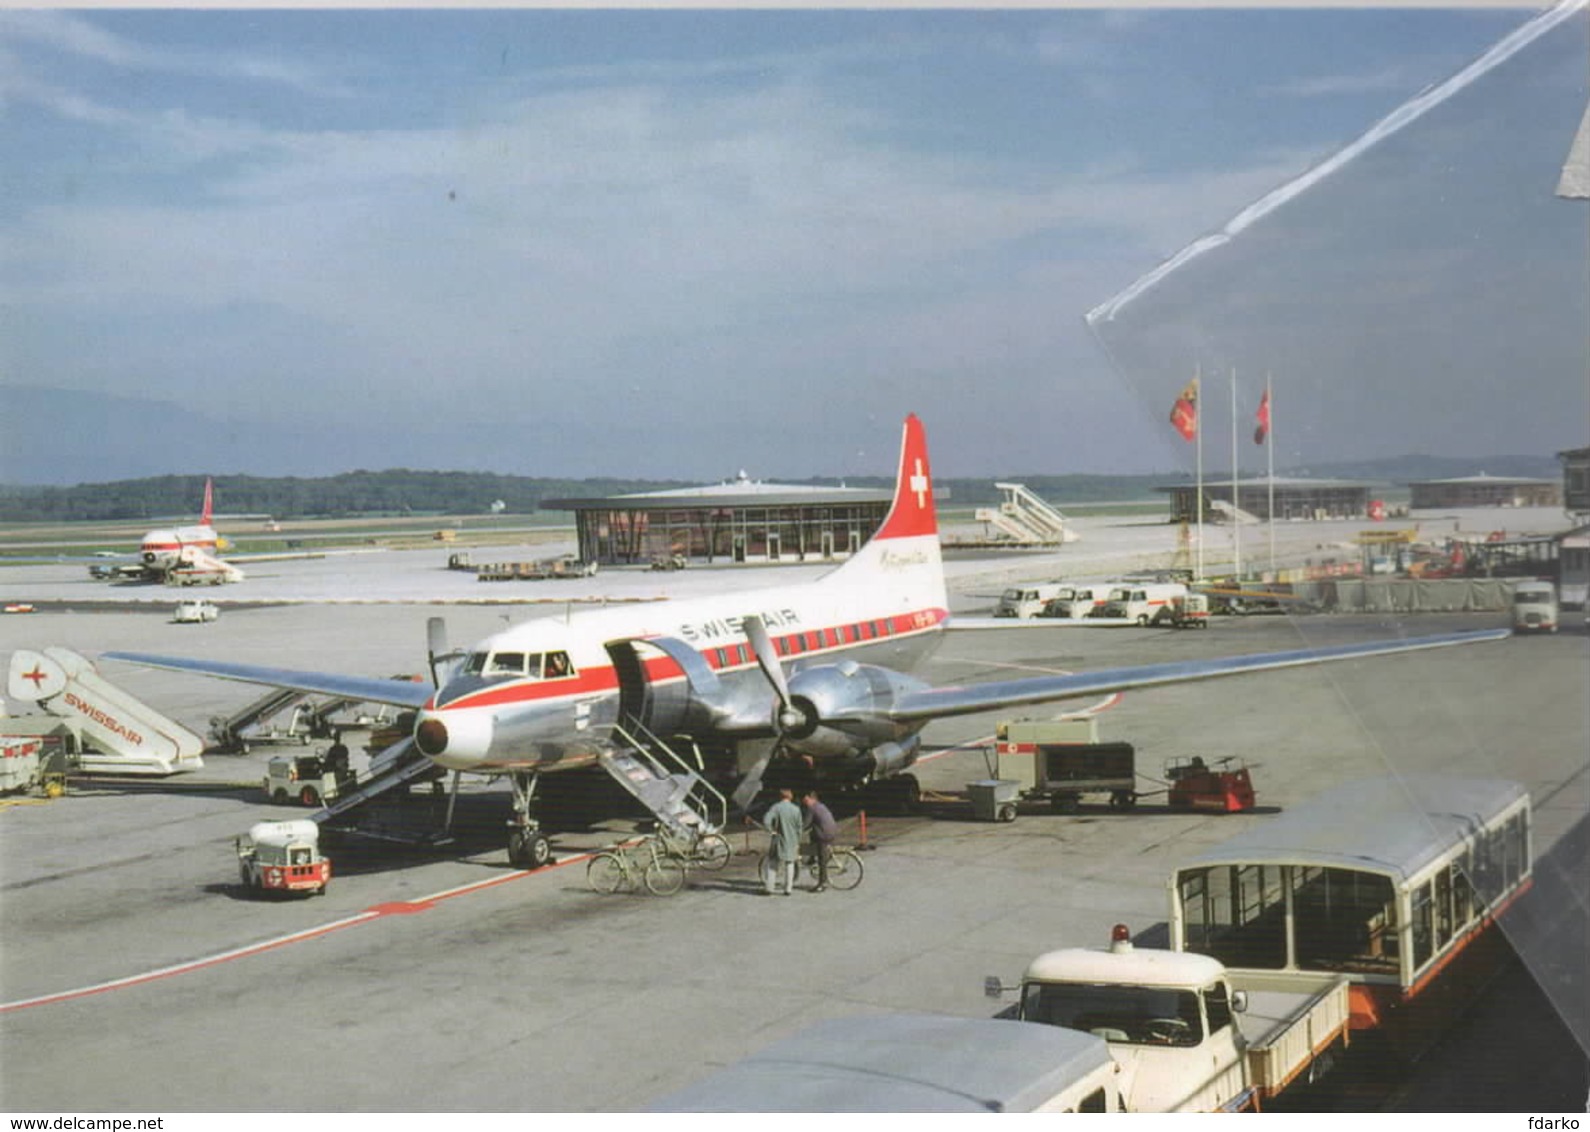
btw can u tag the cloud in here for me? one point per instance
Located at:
(64, 33)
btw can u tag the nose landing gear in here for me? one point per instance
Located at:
(528, 847)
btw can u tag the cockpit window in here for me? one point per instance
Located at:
(506, 662)
(557, 666)
(476, 664)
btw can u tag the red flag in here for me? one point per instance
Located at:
(1264, 419)
(1184, 414)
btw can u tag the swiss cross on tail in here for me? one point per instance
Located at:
(912, 513)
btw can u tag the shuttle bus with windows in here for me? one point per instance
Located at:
(1396, 883)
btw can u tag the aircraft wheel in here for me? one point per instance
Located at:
(529, 849)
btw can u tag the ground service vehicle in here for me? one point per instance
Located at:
(1190, 611)
(1170, 1020)
(913, 1063)
(1080, 602)
(1393, 883)
(1225, 788)
(309, 779)
(1059, 760)
(195, 612)
(1147, 603)
(1535, 607)
(1029, 599)
(283, 856)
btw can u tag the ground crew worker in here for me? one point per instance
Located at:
(824, 831)
(783, 822)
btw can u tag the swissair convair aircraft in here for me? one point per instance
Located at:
(816, 671)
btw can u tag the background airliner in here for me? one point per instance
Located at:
(816, 671)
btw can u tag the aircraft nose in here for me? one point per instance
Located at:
(458, 740)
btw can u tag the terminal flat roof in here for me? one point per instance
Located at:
(738, 493)
(1388, 825)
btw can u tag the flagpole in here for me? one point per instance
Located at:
(1236, 506)
(1269, 440)
(1198, 433)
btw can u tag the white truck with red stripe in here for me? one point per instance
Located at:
(1146, 603)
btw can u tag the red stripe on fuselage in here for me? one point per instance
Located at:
(604, 678)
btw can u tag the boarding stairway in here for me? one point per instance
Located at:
(1231, 514)
(685, 804)
(227, 732)
(117, 732)
(1025, 518)
(395, 766)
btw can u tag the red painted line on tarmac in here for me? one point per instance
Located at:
(369, 915)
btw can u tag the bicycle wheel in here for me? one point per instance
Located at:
(607, 873)
(665, 876)
(712, 852)
(844, 870)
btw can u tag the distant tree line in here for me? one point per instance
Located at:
(403, 491)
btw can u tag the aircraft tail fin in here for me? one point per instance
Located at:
(906, 547)
(209, 496)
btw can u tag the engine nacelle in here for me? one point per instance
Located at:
(845, 708)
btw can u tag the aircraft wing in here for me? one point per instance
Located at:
(986, 623)
(398, 693)
(936, 703)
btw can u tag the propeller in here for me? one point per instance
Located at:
(436, 646)
(788, 717)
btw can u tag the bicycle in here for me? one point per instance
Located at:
(710, 851)
(844, 867)
(613, 869)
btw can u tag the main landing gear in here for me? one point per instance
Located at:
(528, 847)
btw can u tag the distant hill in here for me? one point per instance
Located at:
(403, 491)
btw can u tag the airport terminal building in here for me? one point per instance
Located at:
(738, 521)
(1295, 498)
(1485, 491)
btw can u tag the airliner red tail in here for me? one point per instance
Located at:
(904, 554)
(209, 493)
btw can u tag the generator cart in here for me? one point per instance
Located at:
(1061, 760)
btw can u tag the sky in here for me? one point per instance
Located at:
(679, 244)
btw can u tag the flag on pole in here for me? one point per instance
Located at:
(1184, 414)
(1264, 419)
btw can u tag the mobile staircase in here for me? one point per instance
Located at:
(117, 733)
(1026, 519)
(685, 804)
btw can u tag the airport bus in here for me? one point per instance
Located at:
(1395, 882)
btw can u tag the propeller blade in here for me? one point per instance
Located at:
(767, 660)
(751, 785)
(435, 644)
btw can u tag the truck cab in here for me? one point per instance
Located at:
(1535, 607)
(1147, 603)
(1029, 599)
(1169, 1019)
(1078, 602)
